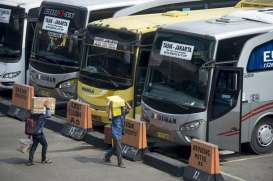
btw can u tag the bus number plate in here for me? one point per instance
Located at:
(164, 136)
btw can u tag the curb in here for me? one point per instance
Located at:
(164, 163)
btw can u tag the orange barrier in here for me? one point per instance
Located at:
(22, 96)
(135, 134)
(204, 162)
(79, 114)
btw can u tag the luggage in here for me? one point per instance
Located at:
(30, 126)
(24, 145)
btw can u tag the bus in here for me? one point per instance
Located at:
(117, 54)
(57, 47)
(17, 23)
(209, 80)
(160, 6)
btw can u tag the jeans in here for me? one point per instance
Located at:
(115, 149)
(36, 140)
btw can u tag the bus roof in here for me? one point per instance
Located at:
(225, 27)
(27, 4)
(149, 5)
(150, 22)
(255, 3)
(98, 4)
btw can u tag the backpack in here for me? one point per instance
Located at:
(30, 125)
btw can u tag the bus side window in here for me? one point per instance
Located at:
(225, 94)
(230, 49)
(141, 74)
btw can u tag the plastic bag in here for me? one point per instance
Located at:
(24, 145)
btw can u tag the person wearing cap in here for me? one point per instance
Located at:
(38, 135)
(117, 132)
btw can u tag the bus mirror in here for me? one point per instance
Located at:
(74, 40)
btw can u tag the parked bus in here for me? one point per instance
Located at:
(17, 23)
(56, 52)
(160, 6)
(117, 56)
(209, 80)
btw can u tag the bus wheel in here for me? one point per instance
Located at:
(262, 137)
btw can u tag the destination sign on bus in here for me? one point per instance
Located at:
(56, 24)
(176, 50)
(105, 43)
(5, 15)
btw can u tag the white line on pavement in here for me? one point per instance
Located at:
(249, 158)
(232, 176)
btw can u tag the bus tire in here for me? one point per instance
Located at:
(262, 137)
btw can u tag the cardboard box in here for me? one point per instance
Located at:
(117, 103)
(22, 96)
(135, 134)
(79, 114)
(39, 102)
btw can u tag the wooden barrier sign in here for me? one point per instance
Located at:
(79, 114)
(204, 162)
(22, 96)
(135, 134)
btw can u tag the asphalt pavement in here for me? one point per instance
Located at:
(76, 160)
(72, 160)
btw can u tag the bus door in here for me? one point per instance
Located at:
(224, 110)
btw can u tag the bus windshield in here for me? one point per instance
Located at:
(110, 54)
(57, 37)
(175, 75)
(11, 33)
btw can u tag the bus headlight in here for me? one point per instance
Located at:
(191, 125)
(68, 88)
(11, 75)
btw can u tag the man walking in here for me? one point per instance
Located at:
(117, 131)
(39, 137)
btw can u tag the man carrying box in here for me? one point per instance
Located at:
(117, 110)
(38, 135)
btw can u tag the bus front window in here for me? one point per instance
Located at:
(57, 39)
(11, 32)
(110, 60)
(175, 76)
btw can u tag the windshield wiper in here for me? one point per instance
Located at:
(167, 101)
(109, 76)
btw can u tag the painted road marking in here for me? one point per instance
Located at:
(249, 158)
(233, 177)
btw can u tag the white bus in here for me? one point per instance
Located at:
(211, 80)
(57, 46)
(17, 23)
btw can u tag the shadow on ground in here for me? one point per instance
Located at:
(79, 148)
(14, 161)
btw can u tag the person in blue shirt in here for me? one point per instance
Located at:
(39, 137)
(117, 132)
